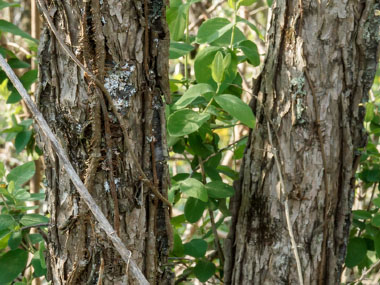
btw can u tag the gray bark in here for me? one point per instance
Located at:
(112, 40)
(336, 43)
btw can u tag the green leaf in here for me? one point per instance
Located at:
(21, 194)
(178, 49)
(184, 122)
(370, 175)
(371, 230)
(228, 172)
(4, 237)
(249, 24)
(217, 68)
(27, 79)
(37, 197)
(376, 241)
(26, 123)
(14, 261)
(227, 61)
(236, 108)
(33, 219)
(35, 238)
(192, 93)
(369, 114)
(217, 32)
(22, 139)
(7, 27)
(269, 2)
(6, 222)
(194, 209)
(376, 202)
(6, 53)
(177, 221)
(202, 64)
(356, 251)
(213, 29)
(245, 2)
(196, 248)
(219, 189)
(193, 188)
(42, 254)
(36, 263)
(4, 4)
(222, 206)
(14, 129)
(11, 187)
(202, 68)
(2, 169)
(204, 270)
(376, 220)
(16, 63)
(240, 148)
(22, 173)
(176, 18)
(249, 49)
(15, 240)
(198, 147)
(362, 214)
(232, 4)
(178, 249)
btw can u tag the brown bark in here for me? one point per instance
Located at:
(126, 44)
(328, 48)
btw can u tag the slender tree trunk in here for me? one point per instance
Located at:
(125, 43)
(321, 61)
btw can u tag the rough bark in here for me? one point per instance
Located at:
(126, 44)
(335, 44)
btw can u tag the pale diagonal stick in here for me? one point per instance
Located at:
(98, 214)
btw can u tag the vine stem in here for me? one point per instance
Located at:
(212, 99)
(233, 27)
(212, 219)
(286, 205)
(187, 41)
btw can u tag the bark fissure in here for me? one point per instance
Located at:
(331, 47)
(111, 46)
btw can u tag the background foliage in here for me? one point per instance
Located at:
(216, 48)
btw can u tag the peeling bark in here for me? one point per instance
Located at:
(337, 44)
(109, 38)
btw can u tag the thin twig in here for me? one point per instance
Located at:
(221, 150)
(35, 226)
(371, 198)
(213, 226)
(123, 124)
(364, 275)
(286, 205)
(20, 48)
(101, 271)
(202, 17)
(48, 134)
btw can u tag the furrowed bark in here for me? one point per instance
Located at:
(331, 47)
(109, 40)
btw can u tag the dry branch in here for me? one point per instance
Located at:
(82, 190)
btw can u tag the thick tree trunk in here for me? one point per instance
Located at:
(126, 44)
(328, 48)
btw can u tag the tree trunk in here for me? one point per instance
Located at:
(320, 64)
(125, 43)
